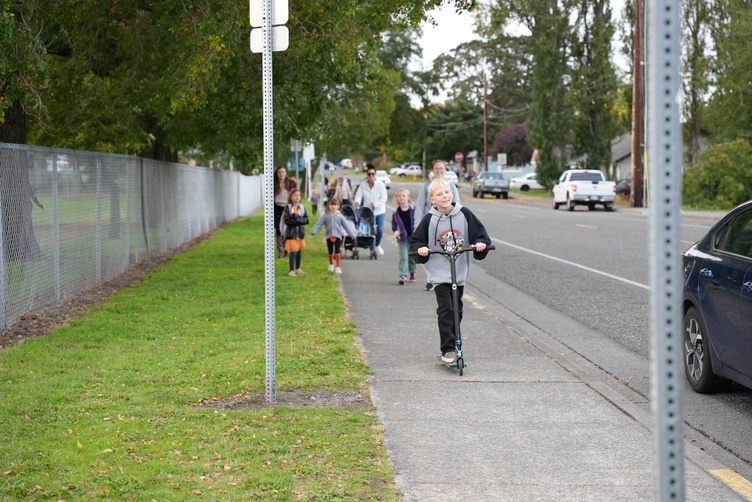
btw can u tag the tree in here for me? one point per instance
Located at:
(454, 126)
(695, 69)
(513, 142)
(548, 121)
(594, 86)
(728, 114)
(722, 178)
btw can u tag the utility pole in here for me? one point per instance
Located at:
(638, 111)
(485, 123)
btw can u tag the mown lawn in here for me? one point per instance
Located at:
(110, 407)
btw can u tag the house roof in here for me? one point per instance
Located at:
(621, 148)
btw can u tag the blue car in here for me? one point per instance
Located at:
(718, 304)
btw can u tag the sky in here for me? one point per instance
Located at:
(452, 29)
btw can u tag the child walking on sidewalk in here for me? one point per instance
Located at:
(447, 227)
(402, 226)
(335, 224)
(294, 219)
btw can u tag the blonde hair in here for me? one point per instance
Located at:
(436, 184)
(409, 200)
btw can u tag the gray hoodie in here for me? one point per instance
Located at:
(457, 230)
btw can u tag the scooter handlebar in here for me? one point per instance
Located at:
(490, 247)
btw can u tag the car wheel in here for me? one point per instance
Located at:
(698, 364)
(608, 206)
(480, 194)
(556, 205)
(402, 175)
(524, 188)
(570, 203)
(505, 195)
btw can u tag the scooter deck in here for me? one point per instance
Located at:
(451, 365)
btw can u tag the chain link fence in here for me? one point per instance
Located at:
(72, 220)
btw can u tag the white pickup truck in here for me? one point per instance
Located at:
(584, 187)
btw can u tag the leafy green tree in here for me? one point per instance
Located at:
(22, 67)
(722, 179)
(157, 76)
(454, 126)
(695, 69)
(548, 123)
(728, 113)
(594, 85)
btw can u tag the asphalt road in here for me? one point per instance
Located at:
(583, 276)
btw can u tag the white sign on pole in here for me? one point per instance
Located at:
(280, 39)
(280, 12)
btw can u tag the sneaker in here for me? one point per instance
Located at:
(292, 273)
(412, 278)
(448, 356)
(300, 271)
(402, 280)
(331, 268)
(429, 286)
(380, 250)
(338, 270)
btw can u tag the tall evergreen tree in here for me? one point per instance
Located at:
(594, 85)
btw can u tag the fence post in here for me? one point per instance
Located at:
(99, 221)
(56, 226)
(144, 220)
(3, 320)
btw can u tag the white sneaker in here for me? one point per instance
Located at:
(338, 270)
(331, 268)
(380, 250)
(448, 356)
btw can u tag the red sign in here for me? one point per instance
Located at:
(458, 156)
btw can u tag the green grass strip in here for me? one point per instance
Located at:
(107, 408)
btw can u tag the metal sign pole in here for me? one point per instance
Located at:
(665, 152)
(268, 111)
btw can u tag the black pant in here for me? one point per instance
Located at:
(445, 312)
(334, 247)
(278, 210)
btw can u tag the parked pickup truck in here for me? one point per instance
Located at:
(584, 187)
(492, 183)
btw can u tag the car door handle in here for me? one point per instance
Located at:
(706, 272)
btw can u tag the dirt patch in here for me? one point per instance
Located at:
(50, 318)
(297, 399)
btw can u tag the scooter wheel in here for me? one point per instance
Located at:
(460, 365)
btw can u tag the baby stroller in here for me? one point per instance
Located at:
(366, 238)
(348, 211)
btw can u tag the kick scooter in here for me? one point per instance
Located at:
(452, 256)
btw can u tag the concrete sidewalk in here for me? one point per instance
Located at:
(529, 420)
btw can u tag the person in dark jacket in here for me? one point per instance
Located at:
(294, 219)
(282, 186)
(448, 226)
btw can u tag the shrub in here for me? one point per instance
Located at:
(722, 179)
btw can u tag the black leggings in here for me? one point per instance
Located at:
(334, 247)
(295, 260)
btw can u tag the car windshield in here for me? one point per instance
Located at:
(494, 176)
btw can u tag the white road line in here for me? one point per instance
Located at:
(554, 258)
